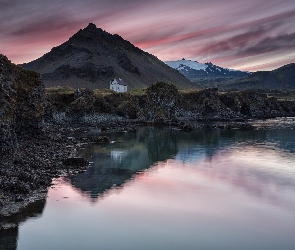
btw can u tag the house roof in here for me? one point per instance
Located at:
(119, 81)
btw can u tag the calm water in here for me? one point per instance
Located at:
(167, 189)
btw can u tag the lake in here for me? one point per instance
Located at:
(160, 188)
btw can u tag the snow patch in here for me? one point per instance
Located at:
(209, 68)
(181, 63)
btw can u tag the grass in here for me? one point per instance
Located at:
(138, 92)
(59, 90)
(103, 92)
(189, 91)
(287, 95)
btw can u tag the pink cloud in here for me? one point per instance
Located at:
(200, 30)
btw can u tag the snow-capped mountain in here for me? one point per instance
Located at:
(194, 69)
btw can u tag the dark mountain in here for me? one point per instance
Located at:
(282, 78)
(194, 70)
(92, 57)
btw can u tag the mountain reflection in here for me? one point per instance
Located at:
(137, 151)
(114, 164)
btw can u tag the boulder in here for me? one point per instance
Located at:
(161, 103)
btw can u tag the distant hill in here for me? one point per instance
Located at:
(92, 57)
(282, 78)
(194, 70)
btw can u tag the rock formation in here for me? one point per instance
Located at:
(22, 99)
(163, 103)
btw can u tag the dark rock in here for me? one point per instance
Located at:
(245, 126)
(125, 63)
(23, 98)
(75, 162)
(161, 103)
(185, 127)
(240, 125)
(103, 128)
(88, 71)
(101, 139)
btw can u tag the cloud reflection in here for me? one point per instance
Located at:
(255, 164)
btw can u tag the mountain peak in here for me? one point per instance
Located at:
(89, 35)
(91, 26)
(92, 29)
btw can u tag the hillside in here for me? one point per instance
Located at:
(282, 78)
(92, 57)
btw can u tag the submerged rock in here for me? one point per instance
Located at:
(75, 161)
(186, 127)
(101, 139)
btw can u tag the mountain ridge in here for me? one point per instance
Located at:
(194, 70)
(282, 78)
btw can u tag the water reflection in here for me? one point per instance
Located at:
(8, 239)
(166, 189)
(265, 174)
(160, 188)
(117, 163)
(134, 152)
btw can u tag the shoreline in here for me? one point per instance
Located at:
(27, 172)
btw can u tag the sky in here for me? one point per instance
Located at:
(250, 35)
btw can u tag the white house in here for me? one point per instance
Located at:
(118, 85)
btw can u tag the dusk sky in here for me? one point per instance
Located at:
(247, 35)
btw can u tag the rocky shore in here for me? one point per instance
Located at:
(31, 151)
(27, 171)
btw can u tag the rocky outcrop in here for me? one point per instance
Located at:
(162, 103)
(210, 104)
(204, 103)
(22, 99)
(252, 104)
(67, 105)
